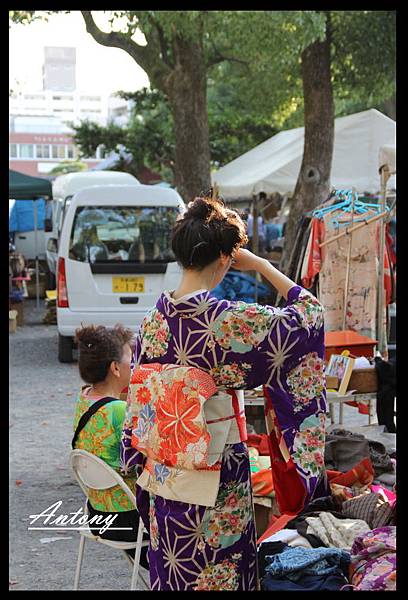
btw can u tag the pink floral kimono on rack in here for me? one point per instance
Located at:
(184, 432)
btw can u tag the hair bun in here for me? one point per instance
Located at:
(201, 208)
(87, 336)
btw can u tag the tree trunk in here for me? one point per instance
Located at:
(390, 108)
(186, 88)
(313, 184)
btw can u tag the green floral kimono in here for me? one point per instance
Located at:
(101, 436)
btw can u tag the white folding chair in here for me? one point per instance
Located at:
(92, 472)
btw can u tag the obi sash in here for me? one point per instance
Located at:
(181, 422)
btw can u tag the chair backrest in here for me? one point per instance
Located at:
(92, 472)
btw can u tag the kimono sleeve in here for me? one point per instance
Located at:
(131, 460)
(278, 338)
(295, 399)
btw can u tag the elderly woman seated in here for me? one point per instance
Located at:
(104, 364)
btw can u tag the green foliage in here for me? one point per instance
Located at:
(364, 55)
(89, 135)
(68, 166)
(149, 136)
(254, 79)
(24, 17)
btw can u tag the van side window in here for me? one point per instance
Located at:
(136, 234)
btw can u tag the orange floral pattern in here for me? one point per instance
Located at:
(175, 416)
(165, 409)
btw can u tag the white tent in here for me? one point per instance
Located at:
(274, 165)
(387, 156)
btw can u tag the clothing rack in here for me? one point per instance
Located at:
(354, 228)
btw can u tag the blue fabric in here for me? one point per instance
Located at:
(273, 231)
(295, 562)
(22, 215)
(333, 582)
(239, 287)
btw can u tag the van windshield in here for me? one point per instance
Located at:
(123, 233)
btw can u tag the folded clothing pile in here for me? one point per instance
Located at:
(344, 449)
(295, 568)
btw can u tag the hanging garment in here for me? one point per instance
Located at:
(330, 263)
(241, 346)
(302, 236)
(312, 261)
(361, 310)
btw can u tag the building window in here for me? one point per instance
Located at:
(58, 151)
(26, 151)
(42, 151)
(91, 98)
(13, 150)
(34, 97)
(68, 98)
(71, 151)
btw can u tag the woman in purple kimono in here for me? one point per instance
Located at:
(206, 539)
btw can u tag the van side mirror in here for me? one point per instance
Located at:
(47, 225)
(52, 245)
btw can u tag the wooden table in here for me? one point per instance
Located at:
(370, 398)
(340, 400)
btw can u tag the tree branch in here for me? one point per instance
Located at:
(163, 43)
(146, 57)
(219, 58)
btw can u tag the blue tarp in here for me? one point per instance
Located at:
(22, 215)
(239, 286)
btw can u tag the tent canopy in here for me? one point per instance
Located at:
(25, 187)
(274, 165)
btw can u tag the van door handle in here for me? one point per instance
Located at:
(22, 237)
(128, 300)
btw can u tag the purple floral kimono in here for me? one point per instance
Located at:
(242, 346)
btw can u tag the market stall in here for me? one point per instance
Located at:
(25, 187)
(274, 165)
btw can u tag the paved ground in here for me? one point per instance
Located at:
(42, 397)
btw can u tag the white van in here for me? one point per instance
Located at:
(114, 257)
(63, 188)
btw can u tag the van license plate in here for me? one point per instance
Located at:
(131, 285)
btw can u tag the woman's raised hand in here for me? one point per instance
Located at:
(244, 260)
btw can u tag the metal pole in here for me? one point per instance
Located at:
(346, 285)
(382, 345)
(37, 281)
(255, 239)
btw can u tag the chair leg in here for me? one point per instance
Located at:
(138, 549)
(79, 561)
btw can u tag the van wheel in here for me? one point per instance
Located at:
(65, 347)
